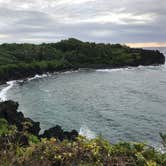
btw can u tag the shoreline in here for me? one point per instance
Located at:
(21, 81)
(75, 69)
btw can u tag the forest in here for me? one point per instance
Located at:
(25, 60)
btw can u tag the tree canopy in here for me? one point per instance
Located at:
(21, 60)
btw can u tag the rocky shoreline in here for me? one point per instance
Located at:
(20, 61)
(22, 145)
(8, 111)
(31, 75)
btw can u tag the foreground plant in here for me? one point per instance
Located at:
(21, 145)
(96, 152)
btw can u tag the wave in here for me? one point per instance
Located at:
(37, 77)
(151, 67)
(10, 84)
(85, 131)
(110, 70)
(120, 69)
(4, 91)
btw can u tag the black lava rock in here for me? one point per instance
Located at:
(59, 133)
(8, 111)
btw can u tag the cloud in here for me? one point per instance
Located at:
(68, 2)
(118, 18)
(91, 20)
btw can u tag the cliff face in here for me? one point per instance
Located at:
(149, 57)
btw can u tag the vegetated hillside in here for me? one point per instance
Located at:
(21, 145)
(22, 60)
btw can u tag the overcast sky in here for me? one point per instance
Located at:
(113, 21)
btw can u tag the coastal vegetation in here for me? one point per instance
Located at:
(24, 60)
(21, 145)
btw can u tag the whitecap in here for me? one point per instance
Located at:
(37, 77)
(4, 91)
(114, 70)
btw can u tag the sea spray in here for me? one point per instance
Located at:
(85, 131)
(37, 77)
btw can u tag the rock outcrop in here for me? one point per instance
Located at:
(59, 133)
(8, 111)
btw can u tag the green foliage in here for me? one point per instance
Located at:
(163, 137)
(5, 129)
(22, 60)
(19, 148)
(82, 151)
(88, 152)
(33, 139)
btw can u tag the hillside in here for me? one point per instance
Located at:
(24, 60)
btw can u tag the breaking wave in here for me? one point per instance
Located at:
(10, 84)
(37, 77)
(85, 131)
(4, 91)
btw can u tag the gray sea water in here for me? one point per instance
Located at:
(119, 104)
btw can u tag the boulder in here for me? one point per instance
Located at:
(8, 111)
(59, 133)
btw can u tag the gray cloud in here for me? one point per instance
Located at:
(93, 20)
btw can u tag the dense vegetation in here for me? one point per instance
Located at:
(20, 145)
(23, 60)
(20, 141)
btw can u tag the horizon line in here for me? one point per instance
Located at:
(146, 44)
(130, 44)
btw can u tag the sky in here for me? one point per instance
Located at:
(136, 23)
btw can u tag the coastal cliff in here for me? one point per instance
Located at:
(18, 61)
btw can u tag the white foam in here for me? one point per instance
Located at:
(68, 72)
(37, 77)
(114, 70)
(159, 147)
(133, 68)
(85, 131)
(4, 91)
